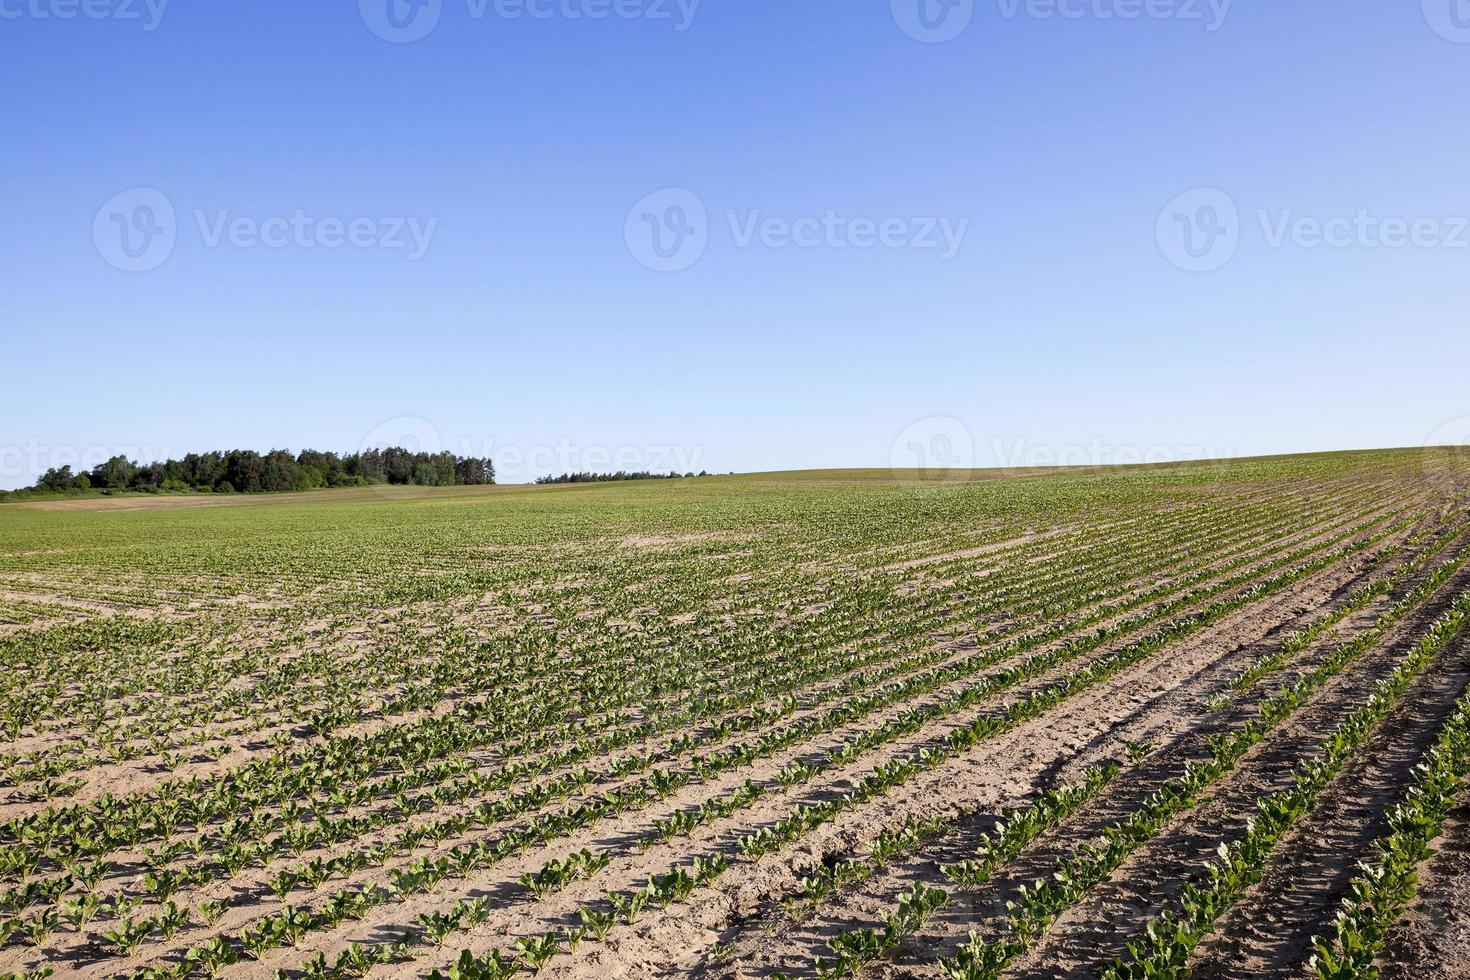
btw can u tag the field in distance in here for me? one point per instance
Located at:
(1206, 719)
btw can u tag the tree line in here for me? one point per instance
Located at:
(616, 477)
(248, 471)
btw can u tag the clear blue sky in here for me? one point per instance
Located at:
(522, 146)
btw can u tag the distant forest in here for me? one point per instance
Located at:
(615, 477)
(247, 471)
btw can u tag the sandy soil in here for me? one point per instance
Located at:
(737, 927)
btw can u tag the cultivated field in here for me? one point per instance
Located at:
(1207, 719)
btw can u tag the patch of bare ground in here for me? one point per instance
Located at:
(1431, 941)
(662, 941)
(249, 900)
(957, 648)
(142, 774)
(1001, 772)
(1023, 544)
(93, 607)
(1096, 930)
(976, 552)
(250, 740)
(646, 541)
(626, 872)
(1158, 702)
(1018, 542)
(1271, 930)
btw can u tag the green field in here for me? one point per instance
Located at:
(734, 726)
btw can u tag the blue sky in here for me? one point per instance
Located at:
(817, 314)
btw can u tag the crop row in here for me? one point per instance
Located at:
(804, 818)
